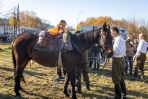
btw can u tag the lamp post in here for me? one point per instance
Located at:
(78, 14)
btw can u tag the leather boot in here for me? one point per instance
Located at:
(142, 75)
(136, 73)
(87, 86)
(117, 91)
(123, 88)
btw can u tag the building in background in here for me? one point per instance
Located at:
(84, 28)
(7, 33)
(123, 32)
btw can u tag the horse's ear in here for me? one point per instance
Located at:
(104, 26)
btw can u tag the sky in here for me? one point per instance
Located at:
(74, 11)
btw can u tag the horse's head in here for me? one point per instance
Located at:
(105, 40)
(102, 37)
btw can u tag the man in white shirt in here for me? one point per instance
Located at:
(140, 55)
(119, 49)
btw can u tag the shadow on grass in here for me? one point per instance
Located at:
(1, 50)
(5, 49)
(27, 92)
(30, 73)
(107, 73)
(94, 96)
(10, 97)
(110, 92)
(34, 94)
(139, 80)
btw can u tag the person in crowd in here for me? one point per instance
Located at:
(140, 56)
(129, 55)
(93, 55)
(57, 31)
(119, 49)
(135, 45)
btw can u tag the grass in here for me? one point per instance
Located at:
(40, 83)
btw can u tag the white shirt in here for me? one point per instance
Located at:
(142, 47)
(119, 47)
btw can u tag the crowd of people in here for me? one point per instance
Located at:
(135, 55)
(3, 38)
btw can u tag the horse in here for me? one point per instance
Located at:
(23, 51)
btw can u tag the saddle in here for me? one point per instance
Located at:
(49, 42)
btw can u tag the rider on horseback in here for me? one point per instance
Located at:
(58, 31)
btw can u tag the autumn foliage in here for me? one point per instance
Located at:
(131, 25)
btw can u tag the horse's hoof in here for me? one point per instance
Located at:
(74, 97)
(87, 87)
(18, 95)
(66, 94)
(20, 88)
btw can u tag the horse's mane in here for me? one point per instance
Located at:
(76, 43)
(89, 36)
(81, 40)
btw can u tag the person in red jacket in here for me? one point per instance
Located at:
(59, 29)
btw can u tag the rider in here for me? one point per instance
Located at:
(57, 31)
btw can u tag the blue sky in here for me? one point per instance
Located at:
(55, 10)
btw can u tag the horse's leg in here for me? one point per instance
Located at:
(25, 64)
(21, 64)
(73, 81)
(16, 72)
(64, 72)
(17, 76)
(66, 84)
(78, 84)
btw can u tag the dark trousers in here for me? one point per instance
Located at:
(117, 70)
(118, 77)
(139, 63)
(94, 60)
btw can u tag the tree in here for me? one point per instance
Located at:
(27, 19)
(143, 29)
(131, 25)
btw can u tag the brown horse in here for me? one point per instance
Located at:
(23, 51)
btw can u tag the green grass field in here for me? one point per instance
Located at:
(40, 83)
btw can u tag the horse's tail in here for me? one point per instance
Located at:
(14, 63)
(13, 57)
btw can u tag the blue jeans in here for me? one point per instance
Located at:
(128, 64)
(93, 60)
